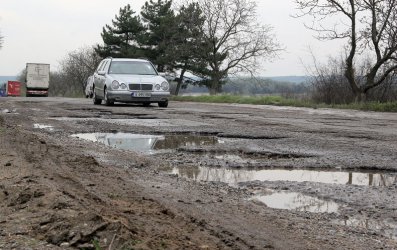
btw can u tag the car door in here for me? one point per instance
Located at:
(100, 77)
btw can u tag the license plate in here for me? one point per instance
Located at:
(141, 94)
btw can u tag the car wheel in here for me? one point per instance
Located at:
(163, 104)
(107, 101)
(95, 99)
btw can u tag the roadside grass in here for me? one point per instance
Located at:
(281, 101)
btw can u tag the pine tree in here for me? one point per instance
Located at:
(158, 19)
(188, 47)
(121, 38)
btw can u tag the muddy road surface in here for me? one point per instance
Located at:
(74, 175)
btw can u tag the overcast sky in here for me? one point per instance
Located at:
(46, 30)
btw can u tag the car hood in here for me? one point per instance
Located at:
(138, 78)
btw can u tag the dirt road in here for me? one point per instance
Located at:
(195, 176)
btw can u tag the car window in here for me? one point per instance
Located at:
(132, 68)
(99, 66)
(104, 65)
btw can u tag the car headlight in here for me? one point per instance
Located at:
(115, 85)
(123, 86)
(157, 87)
(165, 86)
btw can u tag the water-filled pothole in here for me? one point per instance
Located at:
(234, 176)
(161, 122)
(386, 227)
(297, 202)
(148, 143)
(43, 126)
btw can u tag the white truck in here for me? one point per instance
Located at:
(37, 79)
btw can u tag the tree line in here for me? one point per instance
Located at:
(211, 39)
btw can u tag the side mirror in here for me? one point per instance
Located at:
(163, 74)
(102, 73)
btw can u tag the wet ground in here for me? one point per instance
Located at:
(195, 176)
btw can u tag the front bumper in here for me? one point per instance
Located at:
(128, 96)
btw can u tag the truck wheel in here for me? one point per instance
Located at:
(163, 104)
(107, 101)
(146, 104)
(95, 99)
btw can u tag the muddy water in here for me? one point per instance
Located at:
(297, 202)
(388, 228)
(43, 126)
(148, 143)
(234, 176)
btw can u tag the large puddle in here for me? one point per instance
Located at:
(303, 203)
(148, 143)
(297, 202)
(234, 176)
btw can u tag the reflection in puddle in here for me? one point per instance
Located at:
(298, 202)
(148, 143)
(233, 176)
(388, 228)
(42, 126)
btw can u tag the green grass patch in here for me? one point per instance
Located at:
(281, 101)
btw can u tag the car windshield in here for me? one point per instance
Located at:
(132, 68)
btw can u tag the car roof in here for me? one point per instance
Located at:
(129, 59)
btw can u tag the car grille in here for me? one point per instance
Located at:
(136, 86)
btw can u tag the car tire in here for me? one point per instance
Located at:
(96, 101)
(163, 104)
(107, 101)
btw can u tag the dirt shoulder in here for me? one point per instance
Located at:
(61, 192)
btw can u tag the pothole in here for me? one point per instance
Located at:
(148, 143)
(244, 153)
(8, 111)
(253, 137)
(162, 122)
(385, 227)
(43, 126)
(234, 176)
(297, 202)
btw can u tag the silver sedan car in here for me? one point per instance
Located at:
(129, 81)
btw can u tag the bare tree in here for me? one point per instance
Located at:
(370, 27)
(236, 41)
(77, 66)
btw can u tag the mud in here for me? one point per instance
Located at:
(332, 171)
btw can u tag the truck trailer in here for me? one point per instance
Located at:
(37, 79)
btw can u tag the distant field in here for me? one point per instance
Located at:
(280, 101)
